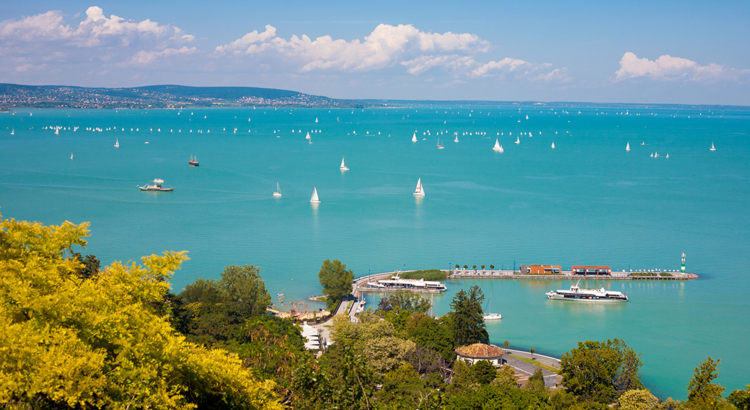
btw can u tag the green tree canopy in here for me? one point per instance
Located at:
(467, 317)
(640, 399)
(740, 398)
(601, 371)
(702, 392)
(99, 342)
(483, 372)
(336, 281)
(406, 300)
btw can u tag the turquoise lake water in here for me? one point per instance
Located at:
(588, 201)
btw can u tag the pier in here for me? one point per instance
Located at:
(567, 275)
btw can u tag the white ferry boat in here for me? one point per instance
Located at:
(396, 283)
(576, 294)
(156, 186)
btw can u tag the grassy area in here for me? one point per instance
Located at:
(643, 274)
(427, 274)
(665, 274)
(537, 363)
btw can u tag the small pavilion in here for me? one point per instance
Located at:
(480, 351)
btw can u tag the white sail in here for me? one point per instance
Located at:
(307, 137)
(117, 143)
(316, 120)
(456, 140)
(419, 191)
(71, 156)
(553, 145)
(314, 199)
(414, 137)
(497, 147)
(343, 165)
(518, 140)
(627, 147)
(712, 147)
(13, 132)
(277, 194)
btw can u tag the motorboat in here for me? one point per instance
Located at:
(156, 186)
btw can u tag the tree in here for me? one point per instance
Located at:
(91, 265)
(483, 372)
(467, 317)
(703, 393)
(403, 299)
(482, 267)
(431, 334)
(536, 381)
(640, 399)
(74, 343)
(457, 266)
(492, 267)
(740, 398)
(506, 344)
(474, 267)
(506, 377)
(597, 371)
(336, 281)
(466, 267)
(532, 350)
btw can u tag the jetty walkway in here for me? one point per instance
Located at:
(567, 275)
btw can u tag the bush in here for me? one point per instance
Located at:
(427, 274)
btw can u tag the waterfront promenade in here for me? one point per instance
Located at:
(566, 275)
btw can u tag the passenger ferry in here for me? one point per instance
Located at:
(576, 294)
(156, 186)
(397, 283)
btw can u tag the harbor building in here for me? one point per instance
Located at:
(541, 270)
(480, 351)
(591, 270)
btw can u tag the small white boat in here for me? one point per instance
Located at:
(627, 147)
(316, 120)
(314, 199)
(307, 137)
(667, 155)
(652, 155)
(643, 143)
(117, 143)
(71, 155)
(527, 117)
(438, 144)
(488, 315)
(277, 194)
(12, 132)
(497, 147)
(518, 140)
(414, 137)
(712, 147)
(343, 165)
(553, 145)
(456, 139)
(419, 191)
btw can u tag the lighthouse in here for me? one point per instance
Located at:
(682, 268)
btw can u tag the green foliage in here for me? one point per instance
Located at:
(600, 371)
(403, 389)
(483, 372)
(492, 267)
(506, 377)
(639, 399)
(217, 310)
(431, 334)
(403, 299)
(336, 281)
(491, 397)
(740, 398)
(466, 266)
(532, 350)
(467, 317)
(427, 274)
(74, 343)
(90, 265)
(341, 379)
(536, 381)
(462, 376)
(702, 392)
(506, 344)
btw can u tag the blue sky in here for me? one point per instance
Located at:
(636, 51)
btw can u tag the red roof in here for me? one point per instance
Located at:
(480, 351)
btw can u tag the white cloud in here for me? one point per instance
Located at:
(46, 37)
(668, 68)
(386, 46)
(147, 57)
(506, 64)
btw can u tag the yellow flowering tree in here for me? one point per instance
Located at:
(68, 341)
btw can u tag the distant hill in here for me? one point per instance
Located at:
(161, 96)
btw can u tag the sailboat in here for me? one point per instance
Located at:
(71, 155)
(414, 137)
(277, 194)
(117, 143)
(527, 117)
(316, 120)
(13, 132)
(518, 140)
(57, 130)
(314, 199)
(419, 191)
(627, 147)
(488, 315)
(497, 147)
(553, 145)
(343, 165)
(307, 137)
(712, 147)
(438, 144)
(193, 161)
(456, 139)
(667, 155)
